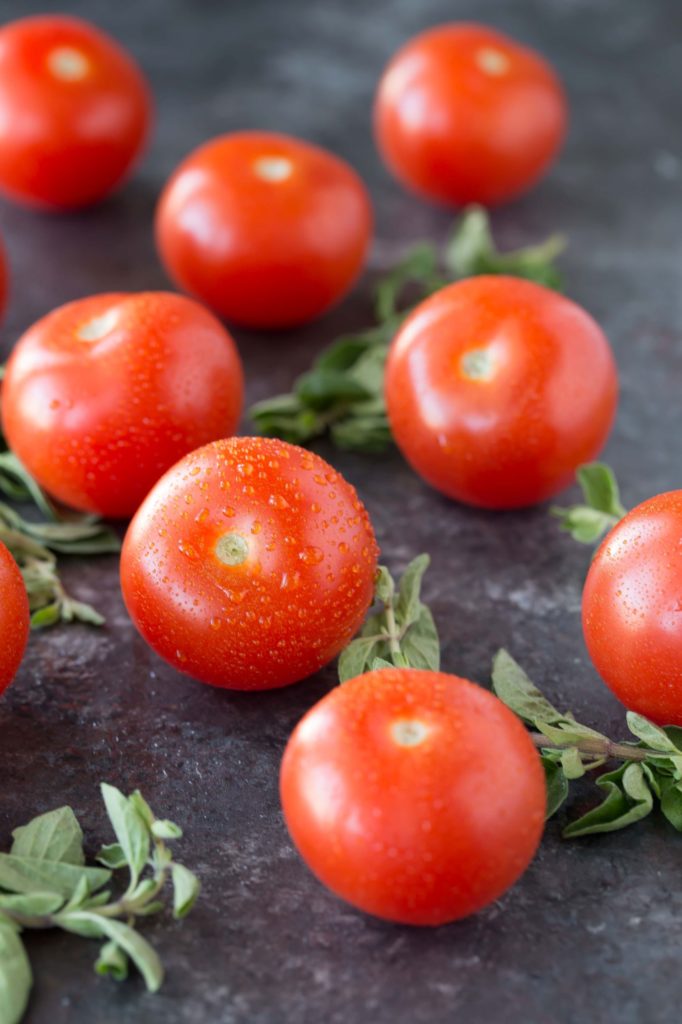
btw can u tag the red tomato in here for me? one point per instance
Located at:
(14, 618)
(74, 112)
(464, 114)
(250, 565)
(632, 609)
(394, 801)
(498, 389)
(102, 395)
(268, 230)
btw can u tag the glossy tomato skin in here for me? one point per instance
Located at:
(104, 394)
(74, 109)
(250, 565)
(632, 609)
(268, 230)
(498, 389)
(14, 618)
(394, 800)
(464, 114)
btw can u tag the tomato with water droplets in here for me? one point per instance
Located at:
(498, 389)
(74, 112)
(268, 230)
(250, 565)
(632, 609)
(103, 395)
(464, 114)
(416, 796)
(14, 618)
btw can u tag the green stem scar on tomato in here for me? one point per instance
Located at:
(250, 564)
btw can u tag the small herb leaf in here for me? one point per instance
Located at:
(131, 830)
(112, 961)
(514, 688)
(15, 974)
(628, 800)
(55, 836)
(30, 874)
(186, 888)
(557, 785)
(112, 856)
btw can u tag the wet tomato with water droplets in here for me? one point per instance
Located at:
(268, 230)
(104, 394)
(632, 609)
(14, 618)
(498, 389)
(464, 114)
(416, 796)
(74, 112)
(250, 565)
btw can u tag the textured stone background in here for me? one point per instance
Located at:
(593, 931)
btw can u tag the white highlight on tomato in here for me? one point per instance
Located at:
(492, 62)
(273, 168)
(409, 732)
(98, 327)
(68, 64)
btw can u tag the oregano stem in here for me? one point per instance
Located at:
(603, 748)
(393, 635)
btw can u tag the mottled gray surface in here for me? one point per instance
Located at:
(593, 931)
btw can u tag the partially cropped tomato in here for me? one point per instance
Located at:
(416, 796)
(268, 230)
(250, 565)
(74, 112)
(14, 618)
(498, 389)
(464, 114)
(632, 609)
(104, 394)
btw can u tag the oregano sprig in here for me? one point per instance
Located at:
(45, 883)
(651, 769)
(401, 634)
(342, 394)
(601, 508)
(33, 544)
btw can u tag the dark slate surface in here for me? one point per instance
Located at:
(593, 931)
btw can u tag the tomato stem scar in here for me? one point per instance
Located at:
(492, 61)
(67, 63)
(409, 732)
(232, 549)
(273, 168)
(98, 327)
(478, 364)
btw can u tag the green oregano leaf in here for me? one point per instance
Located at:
(32, 874)
(628, 800)
(420, 644)
(408, 605)
(602, 507)
(186, 888)
(514, 688)
(112, 962)
(15, 974)
(557, 785)
(356, 657)
(131, 830)
(55, 836)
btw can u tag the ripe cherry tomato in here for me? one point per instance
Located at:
(250, 565)
(632, 609)
(498, 389)
(416, 796)
(74, 112)
(268, 230)
(14, 618)
(104, 394)
(464, 114)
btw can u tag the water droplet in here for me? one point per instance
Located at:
(187, 549)
(277, 501)
(311, 555)
(244, 468)
(216, 623)
(256, 527)
(201, 515)
(228, 512)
